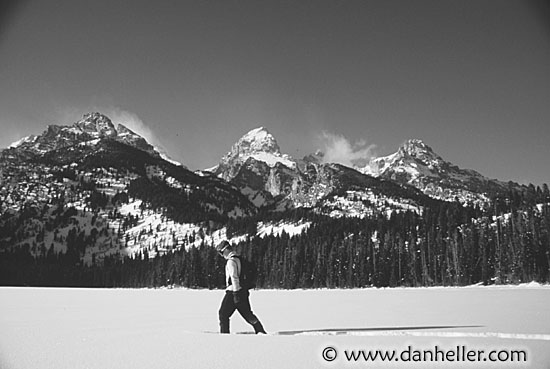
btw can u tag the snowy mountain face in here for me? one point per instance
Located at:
(96, 125)
(90, 190)
(416, 164)
(92, 128)
(258, 145)
(93, 190)
(257, 166)
(269, 178)
(274, 180)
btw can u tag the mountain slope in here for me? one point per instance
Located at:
(92, 194)
(87, 131)
(256, 165)
(276, 181)
(90, 190)
(416, 164)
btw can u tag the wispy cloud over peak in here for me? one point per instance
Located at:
(338, 149)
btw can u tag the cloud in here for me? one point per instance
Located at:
(131, 121)
(339, 149)
(70, 114)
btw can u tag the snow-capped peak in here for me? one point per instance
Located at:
(410, 155)
(91, 129)
(256, 140)
(96, 124)
(257, 145)
(415, 163)
(27, 139)
(418, 149)
(260, 145)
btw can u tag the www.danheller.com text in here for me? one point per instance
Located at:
(454, 354)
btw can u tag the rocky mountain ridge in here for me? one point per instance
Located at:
(276, 181)
(92, 190)
(416, 164)
(256, 165)
(91, 204)
(91, 128)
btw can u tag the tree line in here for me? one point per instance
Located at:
(448, 245)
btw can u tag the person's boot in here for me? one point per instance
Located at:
(259, 328)
(224, 327)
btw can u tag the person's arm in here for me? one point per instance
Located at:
(233, 272)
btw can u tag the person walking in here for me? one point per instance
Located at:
(236, 297)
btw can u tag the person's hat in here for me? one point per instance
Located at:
(222, 246)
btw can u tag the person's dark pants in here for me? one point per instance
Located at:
(228, 307)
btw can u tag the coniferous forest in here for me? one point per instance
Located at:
(448, 245)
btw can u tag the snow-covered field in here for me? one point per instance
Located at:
(174, 328)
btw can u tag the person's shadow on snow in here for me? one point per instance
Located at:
(344, 331)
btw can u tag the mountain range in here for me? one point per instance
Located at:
(97, 190)
(256, 165)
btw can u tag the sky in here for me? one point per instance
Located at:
(470, 78)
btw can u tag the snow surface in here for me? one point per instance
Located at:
(258, 140)
(276, 229)
(165, 156)
(21, 141)
(154, 232)
(175, 328)
(272, 159)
